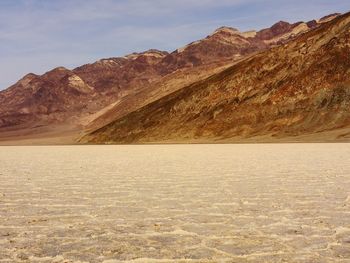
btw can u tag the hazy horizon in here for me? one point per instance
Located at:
(37, 36)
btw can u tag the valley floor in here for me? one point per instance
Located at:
(42, 135)
(175, 203)
(70, 135)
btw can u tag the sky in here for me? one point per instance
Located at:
(39, 35)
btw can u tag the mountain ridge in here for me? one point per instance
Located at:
(210, 110)
(93, 94)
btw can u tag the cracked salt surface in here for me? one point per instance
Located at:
(175, 203)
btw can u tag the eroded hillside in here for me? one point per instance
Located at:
(296, 89)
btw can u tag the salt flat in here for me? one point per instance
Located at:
(175, 203)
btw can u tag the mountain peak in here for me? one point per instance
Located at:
(280, 26)
(281, 23)
(226, 29)
(30, 75)
(328, 17)
(60, 69)
(148, 53)
(27, 79)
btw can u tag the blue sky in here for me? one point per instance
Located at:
(38, 35)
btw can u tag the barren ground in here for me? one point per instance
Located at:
(175, 203)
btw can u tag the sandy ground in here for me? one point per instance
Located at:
(64, 134)
(175, 203)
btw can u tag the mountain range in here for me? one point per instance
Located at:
(289, 82)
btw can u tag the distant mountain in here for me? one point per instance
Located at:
(94, 95)
(295, 91)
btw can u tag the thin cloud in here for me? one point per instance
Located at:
(36, 35)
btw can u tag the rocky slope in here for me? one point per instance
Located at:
(54, 92)
(99, 93)
(223, 48)
(63, 95)
(295, 89)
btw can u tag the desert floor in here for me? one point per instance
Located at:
(175, 203)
